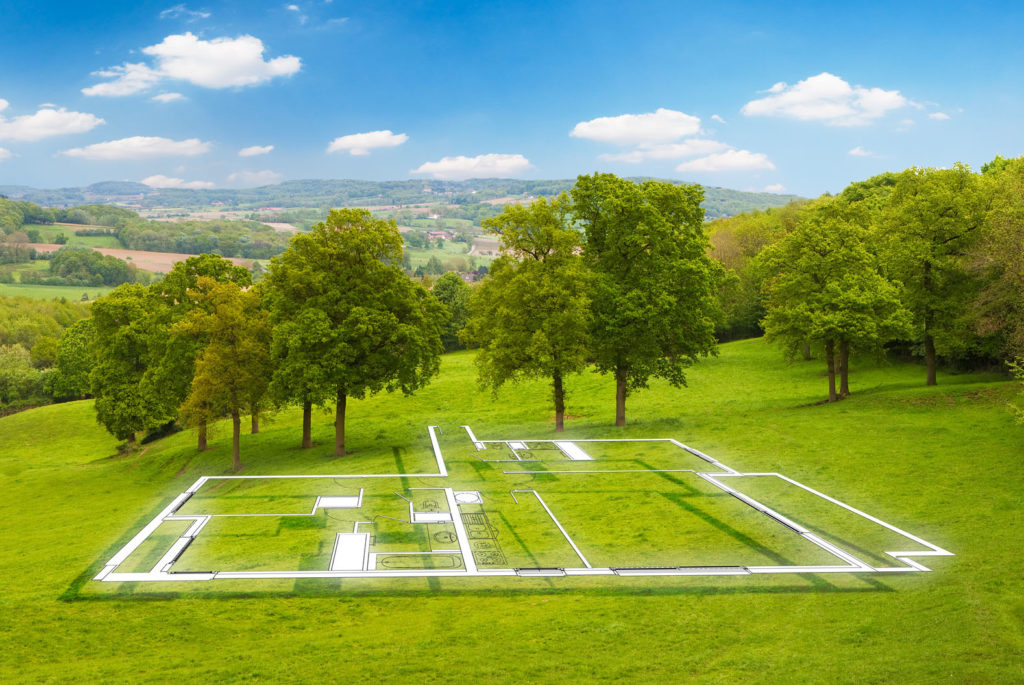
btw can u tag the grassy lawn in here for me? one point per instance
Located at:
(943, 463)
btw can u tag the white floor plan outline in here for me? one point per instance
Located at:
(522, 507)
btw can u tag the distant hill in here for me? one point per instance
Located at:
(314, 193)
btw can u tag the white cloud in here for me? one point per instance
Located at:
(254, 178)
(827, 98)
(907, 122)
(128, 79)
(4, 154)
(161, 181)
(861, 152)
(254, 150)
(140, 147)
(691, 147)
(216, 63)
(45, 123)
(774, 188)
(938, 116)
(168, 97)
(715, 117)
(4, 104)
(182, 11)
(293, 8)
(730, 160)
(362, 143)
(661, 126)
(481, 166)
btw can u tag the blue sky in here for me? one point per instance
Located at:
(801, 97)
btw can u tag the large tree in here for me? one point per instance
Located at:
(168, 377)
(825, 287)
(233, 367)
(999, 260)
(654, 293)
(531, 315)
(370, 327)
(123, 331)
(931, 221)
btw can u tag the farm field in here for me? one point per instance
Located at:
(157, 262)
(49, 292)
(941, 462)
(49, 234)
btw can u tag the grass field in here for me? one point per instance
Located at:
(941, 462)
(49, 234)
(50, 292)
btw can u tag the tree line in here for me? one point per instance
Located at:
(616, 275)
(924, 262)
(622, 277)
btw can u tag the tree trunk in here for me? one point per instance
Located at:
(559, 402)
(255, 422)
(807, 352)
(620, 396)
(201, 440)
(844, 369)
(339, 425)
(929, 358)
(236, 436)
(830, 361)
(307, 425)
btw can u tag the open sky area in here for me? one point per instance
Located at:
(799, 97)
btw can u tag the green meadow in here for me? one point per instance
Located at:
(50, 292)
(943, 463)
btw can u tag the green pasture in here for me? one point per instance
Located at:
(49, 234)
(50, 292)
(942, 462)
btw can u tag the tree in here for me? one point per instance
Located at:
(70, 379)
(932, 219)
(172, 360)
(998, 260)
(371, 327)
(531, 316)
(233, 368)
(453, 293)
(654, 292)
(825, 287)
(122, 333)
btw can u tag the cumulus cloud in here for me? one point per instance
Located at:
(168, 97)
(829, 99)
(4, 154)
(4, 104)
(687, 148)
(362, 143)
(254, 178)
(715, 117)
(938, 116)
(861, 152)
(774, 188)
(161, 181)
(481, 166)
(45, 123)
(140, 147)
(730, 160)
(255, 150)
(661, 126)
(216, 63)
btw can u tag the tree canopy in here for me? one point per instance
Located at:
(371, 327)
(654, 295)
